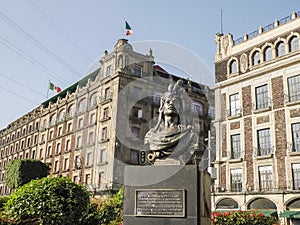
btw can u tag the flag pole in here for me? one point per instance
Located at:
(48, 89)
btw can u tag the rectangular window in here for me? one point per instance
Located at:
(79, 143)
(236, 146)
(92, 118)
(68, 145)
(91, 138)
(107, 94)
(49, 152)
(56, 166)
(235, 107)
(59, 131)
(106, 113)
(88, 179)
(236, 180)
(294, 88)
(101, 179)
(33, 154)
(70, 127)
(58, 148)
(89, 159)
(104, 133)
(137, 70)
(265, 178)
(264, 142)
(296, 136)
(296, 176)
(261, 96)
(80, 123)
(66, 164)
(103, 156)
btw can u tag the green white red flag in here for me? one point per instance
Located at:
(128, 28)
(54, 88)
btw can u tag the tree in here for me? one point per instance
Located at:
(20, 172)
(48, 201)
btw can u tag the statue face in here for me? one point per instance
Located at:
(171, 104)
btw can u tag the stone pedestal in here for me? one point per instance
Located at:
(166, 195)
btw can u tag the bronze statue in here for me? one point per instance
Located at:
(170, 138)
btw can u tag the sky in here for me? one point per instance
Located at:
(59, 40)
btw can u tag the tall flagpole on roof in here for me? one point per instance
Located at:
(48, 89)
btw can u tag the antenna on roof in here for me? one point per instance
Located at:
(221, 21)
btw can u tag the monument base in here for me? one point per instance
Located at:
(166, 195)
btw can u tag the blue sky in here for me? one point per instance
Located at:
(92, 26)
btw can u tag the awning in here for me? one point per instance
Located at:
(268, 212)
(290, 214)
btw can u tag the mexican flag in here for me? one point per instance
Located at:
(128, 28)
(54, 88)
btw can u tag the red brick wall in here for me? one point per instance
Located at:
(235, 125)
(277, 92)
(280, 133)
(247, 102)
(249, 150)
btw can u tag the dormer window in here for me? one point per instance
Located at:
(233, 67)
(280, 49)
(256, 58)
(268, 54)
(294, 44)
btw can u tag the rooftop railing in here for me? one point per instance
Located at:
(266, 28)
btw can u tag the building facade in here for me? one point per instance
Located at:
(257, 122)
(76, 131)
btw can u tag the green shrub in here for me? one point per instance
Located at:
(111, 209)
(48, 201)
(3, 200)
(242, 218)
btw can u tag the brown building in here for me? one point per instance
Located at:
(78, 131)
(257, 122)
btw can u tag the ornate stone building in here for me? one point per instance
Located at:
(76, 131)
(257, 122)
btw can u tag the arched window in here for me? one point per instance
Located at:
(280, 49)
(233, 67)
(255, 58)
(71, 110)
(294, 44)
(227, 204)
(62, 114)
(261, 203)
(93, 99)
(82, 105)
(52, 119)
(268, 54)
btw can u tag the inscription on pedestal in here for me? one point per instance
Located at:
(160, 203)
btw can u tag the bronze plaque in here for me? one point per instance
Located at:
(160, 203)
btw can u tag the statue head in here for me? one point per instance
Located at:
(171, 103)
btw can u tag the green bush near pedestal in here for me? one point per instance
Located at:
(20, 172)
(242, 218)
(48, 201)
